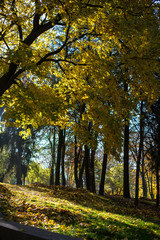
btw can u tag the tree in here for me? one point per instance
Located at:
(87, 46)
(141, 132)
(153, 123)
(114, 178)
(28, 30)
(102, 181)
(19, 152)
(37, 174)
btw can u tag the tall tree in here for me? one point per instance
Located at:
(102, 181)
(141, 132)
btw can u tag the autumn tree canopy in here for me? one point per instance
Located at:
(56, 55)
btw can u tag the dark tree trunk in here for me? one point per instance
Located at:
(2, 178)
(157, 181)
(78, 165)
(60, 141)
(144, 183)
(81, 171)
(158, 166)
(139, 154)
(126, 192)
(53, 158)
(102, 182)
(93, 184)
(63, 157)
(76, 162)
(19, 162)
(87, 168)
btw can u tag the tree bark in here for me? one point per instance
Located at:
(144, 183)
(53, 158)
(158, 166)
(104, 167)
(76, 162)
(92, 173)
(139, 154)
(126, 192)
(19, 162)
(63, 157)
(60, 141)
(81, 171)
(87, 168)
(157, 181)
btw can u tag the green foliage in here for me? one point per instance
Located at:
(78, 213)
(114, 178)
(37, 173)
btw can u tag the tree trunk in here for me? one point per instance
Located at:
(2, 178)
(81, 171)
(53, 158)
(87, 168)
(76, 162)
(150, 187)
(158, 166)
(60, 141)
(19, 162)
(63, 157)
(139, 154)
(157, 181)
(144, 183)
(102, 182)
(93, 184)
(126, 192)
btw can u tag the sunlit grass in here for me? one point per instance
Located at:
(79, 213)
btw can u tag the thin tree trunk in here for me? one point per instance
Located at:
(139, 154)
(87, 168)
(102, 182)
(81, 171)
(60, 141)
(63, 157)
(144, 183)
(157, 167)
(53, 158)
(126, 192)
(76, 162)
(93, 184)
(19, 162)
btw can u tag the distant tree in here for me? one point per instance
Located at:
(114, 178)
(19, 152)
(37, 173)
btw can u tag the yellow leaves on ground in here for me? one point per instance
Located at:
(78, 213)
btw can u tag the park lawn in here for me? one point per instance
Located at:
(78, 213)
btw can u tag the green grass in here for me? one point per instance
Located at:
(78, 213)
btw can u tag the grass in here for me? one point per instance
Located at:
(78, 213)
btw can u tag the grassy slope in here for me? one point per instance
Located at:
(79, 213)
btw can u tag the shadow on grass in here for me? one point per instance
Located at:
(115, 204)
(89, 225)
